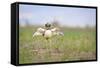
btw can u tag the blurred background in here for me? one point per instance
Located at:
(65, 16)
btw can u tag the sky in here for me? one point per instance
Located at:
(66, 16)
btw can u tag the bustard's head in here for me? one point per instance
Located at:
(47, 26)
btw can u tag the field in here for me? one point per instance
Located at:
(76, 44)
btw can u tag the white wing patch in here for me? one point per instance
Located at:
(39, 31)
(47, 33)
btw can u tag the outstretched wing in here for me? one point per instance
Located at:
(40, 31)
(56, 31)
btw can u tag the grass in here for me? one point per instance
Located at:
(76, 44)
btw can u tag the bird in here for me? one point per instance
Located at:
(47, 32)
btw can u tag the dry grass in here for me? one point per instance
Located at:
(76, 44)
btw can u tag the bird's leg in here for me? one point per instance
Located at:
(50, 43)
(46, 44)
(49, 47)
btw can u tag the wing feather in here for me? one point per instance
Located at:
(39, 32)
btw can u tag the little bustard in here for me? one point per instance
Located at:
(47, 32)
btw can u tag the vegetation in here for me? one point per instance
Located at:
(76, 44)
